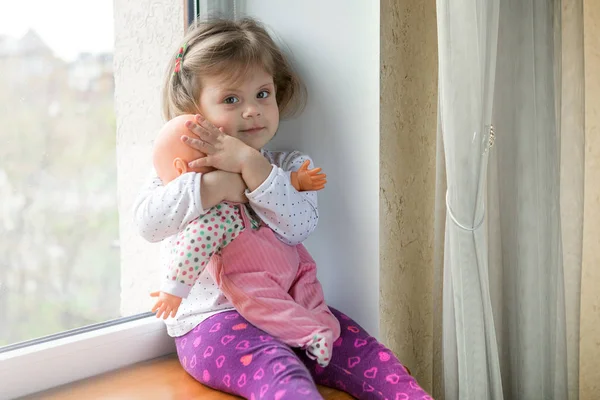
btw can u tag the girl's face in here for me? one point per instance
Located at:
(246, 110)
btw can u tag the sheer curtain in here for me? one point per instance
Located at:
(511, 272)
(467, 35)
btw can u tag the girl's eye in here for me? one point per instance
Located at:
(263, 94)
(231, 100)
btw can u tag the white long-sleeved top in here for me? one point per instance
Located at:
(161, 211)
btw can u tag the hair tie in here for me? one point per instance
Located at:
(179, 58)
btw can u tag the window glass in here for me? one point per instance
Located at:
(59, 244)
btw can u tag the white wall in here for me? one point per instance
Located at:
(335, 46)
(146, 32)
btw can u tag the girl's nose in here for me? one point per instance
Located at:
(252, 110)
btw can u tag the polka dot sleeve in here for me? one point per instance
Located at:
(161, 211)
(197, 243)
(292, 215)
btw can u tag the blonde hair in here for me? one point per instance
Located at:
(228, 49)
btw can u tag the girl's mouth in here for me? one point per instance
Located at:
(253, 130)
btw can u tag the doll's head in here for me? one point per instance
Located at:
(170, 155)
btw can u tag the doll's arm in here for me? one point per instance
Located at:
(308, 179)
(195, 246)
(187, 261)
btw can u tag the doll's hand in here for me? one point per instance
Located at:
(166, 305)
(305, 179)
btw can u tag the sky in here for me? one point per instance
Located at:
(69, 27)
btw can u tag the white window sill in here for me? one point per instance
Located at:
(47, 365)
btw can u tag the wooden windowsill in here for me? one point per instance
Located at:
(162, 378)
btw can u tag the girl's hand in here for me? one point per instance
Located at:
(166, 305)
(222, 151)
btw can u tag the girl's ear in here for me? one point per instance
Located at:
(180, 166)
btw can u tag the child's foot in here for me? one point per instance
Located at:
(319, 349)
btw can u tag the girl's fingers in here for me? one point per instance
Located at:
(198, 144)
(210, 128)
(156, 306)
(201, 162)
(200, 131)
(314, 171)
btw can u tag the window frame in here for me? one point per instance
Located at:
(52, 363)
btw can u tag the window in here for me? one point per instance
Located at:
(58, 216)
(70, 259)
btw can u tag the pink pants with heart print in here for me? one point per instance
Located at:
(227, 353)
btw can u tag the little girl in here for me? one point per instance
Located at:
(236, 77)
(272, 285)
